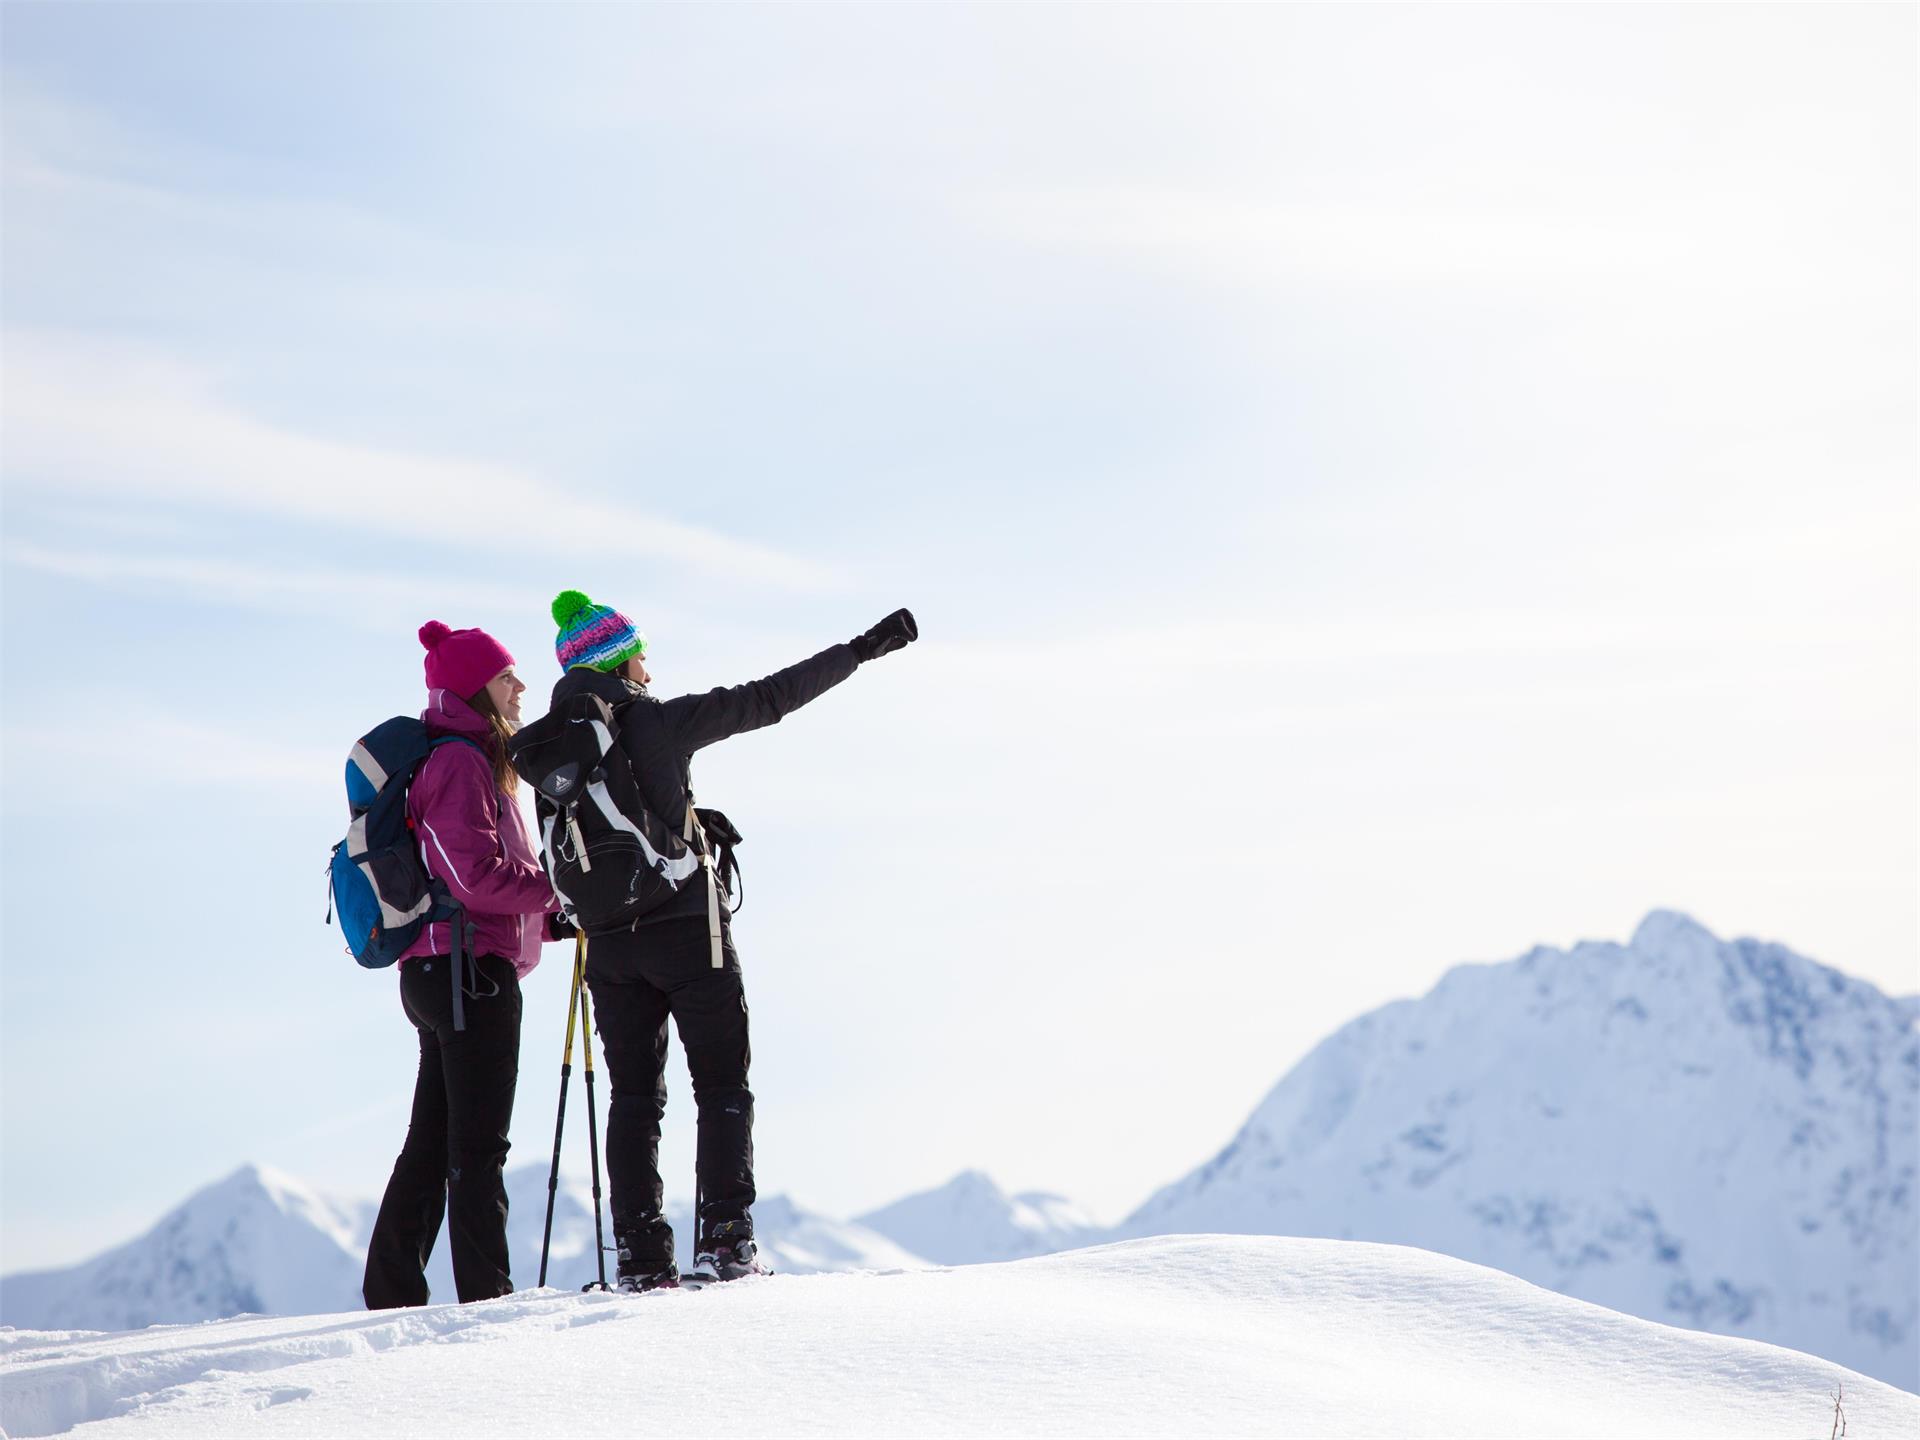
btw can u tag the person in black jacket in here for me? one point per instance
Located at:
(679, 959)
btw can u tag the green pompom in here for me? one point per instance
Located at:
(567, 606)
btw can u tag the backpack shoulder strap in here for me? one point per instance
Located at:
(692, 832)
(459, 929)
(435, 744)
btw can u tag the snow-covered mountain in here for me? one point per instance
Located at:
(261, 1242)
(256, 1242)
(1719, 1135)
(799, 1242)
(970, 1220)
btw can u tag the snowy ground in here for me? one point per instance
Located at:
(1172, 1335)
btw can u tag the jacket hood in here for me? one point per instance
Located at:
(613, 689)
(448, 714)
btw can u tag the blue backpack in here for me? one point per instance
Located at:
(376, 879)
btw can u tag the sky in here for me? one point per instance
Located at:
(1380, 488)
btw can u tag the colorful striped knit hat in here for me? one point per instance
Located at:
(596, 636)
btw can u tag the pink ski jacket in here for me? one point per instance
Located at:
(472, 837)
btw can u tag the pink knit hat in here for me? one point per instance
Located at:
(462, 661)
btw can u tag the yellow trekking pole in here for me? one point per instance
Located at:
(593, 1123)
(559, 1124)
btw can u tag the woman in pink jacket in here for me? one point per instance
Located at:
(462, 812)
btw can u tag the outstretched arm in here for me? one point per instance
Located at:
(699, 720)
(702, 719)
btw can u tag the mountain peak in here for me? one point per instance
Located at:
(971, 1219)
(1670, 929)
(974, 1183)
(254, 1176)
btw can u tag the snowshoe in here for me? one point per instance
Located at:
(646, 1261)
(727, 1260)
(639, 1282)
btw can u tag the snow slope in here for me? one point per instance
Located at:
(970, 1220)
(1716, 1134)
(1154, 1337)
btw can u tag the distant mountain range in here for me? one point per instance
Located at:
(256, 1242)
(1719, 1135)
(261, 1241)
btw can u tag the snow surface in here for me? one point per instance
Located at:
(1177, 1335)
(1719, 1134)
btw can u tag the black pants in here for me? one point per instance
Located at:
(638, 979)
(456, 1142)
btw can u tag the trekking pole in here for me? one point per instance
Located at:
(593, 1123)
(560, 1120)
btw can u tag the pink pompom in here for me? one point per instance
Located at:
(432, 633)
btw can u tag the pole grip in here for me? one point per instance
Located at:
(573, 1007)
(586, 1018)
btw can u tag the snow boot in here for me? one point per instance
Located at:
(646, 1257)
(727, 1260)
(639, 1282)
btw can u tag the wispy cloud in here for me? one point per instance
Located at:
(1261, 244)
(1211, 645)
(149, 525)
(364, 597)
(165, 750)
(1244, 238)
(75, 177)
(110, 418)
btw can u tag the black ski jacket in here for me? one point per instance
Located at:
(660, 736)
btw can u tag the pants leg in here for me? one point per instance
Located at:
(456, 1146)
(667, 968)
(631, 1016)
(482, 1066)
(416, 1195)
(710, 1013)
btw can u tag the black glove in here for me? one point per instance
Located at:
(559, 927)
(889, 635)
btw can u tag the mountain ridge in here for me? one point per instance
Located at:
(260, 1241)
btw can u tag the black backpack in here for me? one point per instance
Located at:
(611, 860)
